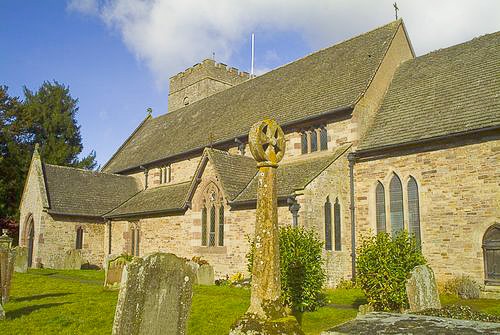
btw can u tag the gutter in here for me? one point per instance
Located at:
(241, 137)
(155, 212)
(75, 215)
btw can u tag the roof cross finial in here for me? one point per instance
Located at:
(395, 5)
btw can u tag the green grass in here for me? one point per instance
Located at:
(74, 302)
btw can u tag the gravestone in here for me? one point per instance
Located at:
(21, 262)
(7, 258)
(421, 289)
(266, 314)
(2, 313)
(72, 260)
(205, 275)
(114, 270)
(155, 296)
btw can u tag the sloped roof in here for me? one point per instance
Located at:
(295, 175)
(80, 192)
(234, 171)
(161, 199)
(330, 79)
(447, 91)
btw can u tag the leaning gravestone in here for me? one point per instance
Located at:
(114, 270)
(155, 296)
(72, 260)
(421, 289)
(21, 262)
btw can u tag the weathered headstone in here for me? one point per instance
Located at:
(205, 275)
(21, 262)
(155, 296)
(72, 260)
(421, 289)
(114, 270)
(2, 313)
(7, 257)
(266, 314)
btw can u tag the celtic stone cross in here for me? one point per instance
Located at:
(266, 314)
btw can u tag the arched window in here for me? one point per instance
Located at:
(336, 220)
(212, 226)
(79, 238)
(491, 254)
(328, 224)
(303, 142)
(221, 225)
(314, 140)
(380, 207)
(204, 226)
(413, 210)
(396, 202)
(323, 139)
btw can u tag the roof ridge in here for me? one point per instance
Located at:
(399, 21)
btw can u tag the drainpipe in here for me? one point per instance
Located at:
(351, 157)
(109, 236)
(293, 207)
(146, 172)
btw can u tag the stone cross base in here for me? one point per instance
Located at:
(250, 324)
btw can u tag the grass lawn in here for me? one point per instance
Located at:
(74, 302)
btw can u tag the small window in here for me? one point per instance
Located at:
(165, 174)
(413, 210)
(380, 208)
(221, 225)
(79, 238)
(396, 202)
(328, 224)
(204, 226)
(323, 139)
(336, 219)
(314, 140)
(303, 138)
(212, 226)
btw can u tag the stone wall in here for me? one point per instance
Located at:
(459, 199)
(201, 81)
(31, 208)
(334, 183)
(59, 236)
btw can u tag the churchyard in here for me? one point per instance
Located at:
(45, 301)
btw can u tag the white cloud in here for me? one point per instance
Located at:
(171, 35)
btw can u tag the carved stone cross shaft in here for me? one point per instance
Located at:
(267, 144)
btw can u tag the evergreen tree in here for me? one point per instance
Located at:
(46, 117)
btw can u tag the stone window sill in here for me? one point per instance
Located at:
(210, 250)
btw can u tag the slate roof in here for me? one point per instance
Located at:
(330, 79)
(154, 200)
(447, 91)
(295, 175)
(80, 192)
(234, 171)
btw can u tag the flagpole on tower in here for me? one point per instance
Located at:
(253, 55)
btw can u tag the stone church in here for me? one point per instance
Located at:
(377, 140)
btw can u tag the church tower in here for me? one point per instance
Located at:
(201, 81)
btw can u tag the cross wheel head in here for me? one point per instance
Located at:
(267, 142)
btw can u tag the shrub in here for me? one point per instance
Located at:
(383, 266)
(346, 284)
(464, 287)
(302, 274)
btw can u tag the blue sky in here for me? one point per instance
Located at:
(117, 55)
